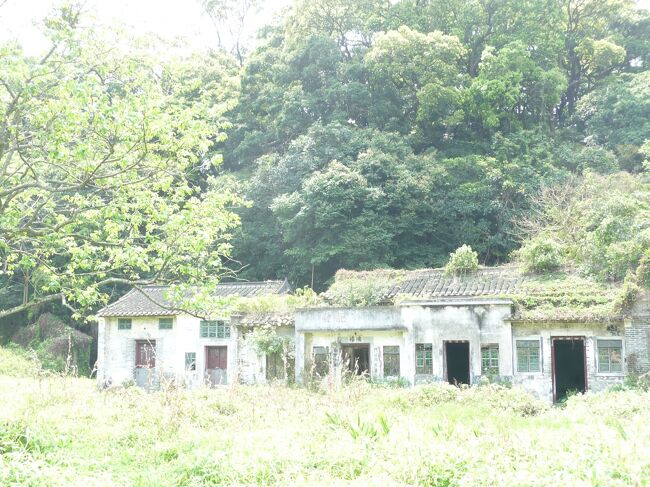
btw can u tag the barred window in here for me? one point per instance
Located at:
(165, 323)
(490, 360)
(215, 329)
(190, 360)
(391, 361)
(528, 356)
(124, 323)
(321, 361)
(423, 358)
(610, 356)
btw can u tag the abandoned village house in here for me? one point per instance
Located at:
(551, 335)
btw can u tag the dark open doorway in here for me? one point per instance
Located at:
(457, 362)
(357, 357)
(568, 367)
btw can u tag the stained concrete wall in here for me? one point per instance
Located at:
(334, 327)
(406, 326)
(541, 383)
(477, 324)
(116, 349)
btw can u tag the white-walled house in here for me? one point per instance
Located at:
(551, 336)
(495, 323)
(142, 338)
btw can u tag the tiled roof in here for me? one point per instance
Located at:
(433, 283)
(151, 300)
(268, 319)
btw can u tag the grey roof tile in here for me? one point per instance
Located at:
(152, 301)
(433, 283)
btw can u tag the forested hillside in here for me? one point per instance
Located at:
(356, 135)
(372, 134)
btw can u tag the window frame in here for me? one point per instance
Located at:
(191, 368)
(322, 365)
(122, 325)
(392, 355)
(421, 369)
(169, 326)
(599, 371)
(529, 340)
(210, 329)
(486, 370)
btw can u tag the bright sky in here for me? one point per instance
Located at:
(166, 18)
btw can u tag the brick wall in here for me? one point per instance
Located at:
(637, 337)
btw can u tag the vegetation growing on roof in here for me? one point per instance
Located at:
(565, 297)
(462, 261)
(278, 303)
(364, 288)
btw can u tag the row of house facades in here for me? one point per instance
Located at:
(442, 328)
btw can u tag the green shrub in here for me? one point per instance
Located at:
(643, 271)
(540, 255)
(15, 362)
(353, 292)
(463, 261)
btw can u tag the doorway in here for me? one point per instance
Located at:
(145, 363)
(357, 358)
(216, 365)
(568, 366)
(457, 362)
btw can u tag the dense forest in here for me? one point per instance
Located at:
(356, 135)
(376, 134)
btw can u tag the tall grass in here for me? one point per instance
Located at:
(64, 431)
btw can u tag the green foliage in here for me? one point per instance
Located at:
(360, 289)
(462, 261)
(62, 431)
(16, 362)
(300, 298)
(600, 223)
(643, 271)
(387, 134)
(540, 255)
(566, 297)
(103, 178)
(266, 340)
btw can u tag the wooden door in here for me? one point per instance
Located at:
(145, 354)
(145, 363)
(216, 365)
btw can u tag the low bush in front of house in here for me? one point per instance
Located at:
(64, 431)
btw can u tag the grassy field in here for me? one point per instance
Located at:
(63, 431)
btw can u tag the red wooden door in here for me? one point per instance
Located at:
(216, 364)
(217, 358)
(145, 354)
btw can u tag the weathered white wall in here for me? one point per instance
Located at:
(541, 383)
(477, 324)
(332, 327)
(116, 349)
(405, 326)
(251, 365)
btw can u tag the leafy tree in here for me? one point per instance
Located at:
(599, 223)
(99, 150)
(617, 116)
